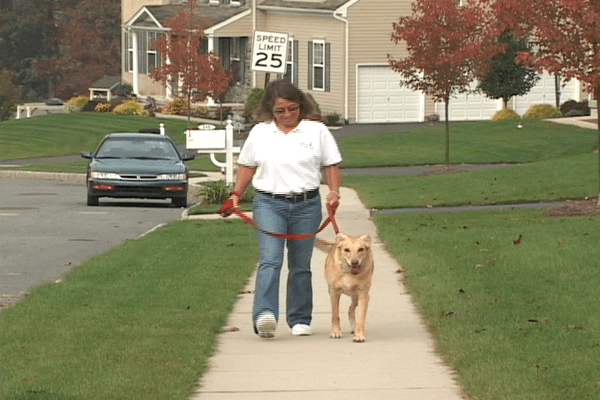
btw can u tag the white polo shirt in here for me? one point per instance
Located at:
(289, 162)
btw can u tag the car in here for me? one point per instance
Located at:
(137, 165)
(54, 102)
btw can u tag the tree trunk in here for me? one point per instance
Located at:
(447, 154)
(557, 90)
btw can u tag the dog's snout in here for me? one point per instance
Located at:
(355, 263)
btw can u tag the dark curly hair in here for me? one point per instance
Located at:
(285, 90)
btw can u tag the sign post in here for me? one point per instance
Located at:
(269, 53)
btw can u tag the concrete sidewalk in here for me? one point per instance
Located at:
(396, 362)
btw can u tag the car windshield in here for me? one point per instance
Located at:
(140, 148)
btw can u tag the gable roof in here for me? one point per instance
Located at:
(328, 5)
(157, 16)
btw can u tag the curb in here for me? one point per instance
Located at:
(43, 176)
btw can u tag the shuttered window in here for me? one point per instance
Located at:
(319, 65)
(291, 71)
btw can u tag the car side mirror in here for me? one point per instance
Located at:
(189, 157)
(87, 154)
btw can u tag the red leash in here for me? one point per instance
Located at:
(330, 219)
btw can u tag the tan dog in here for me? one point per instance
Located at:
(349, 270)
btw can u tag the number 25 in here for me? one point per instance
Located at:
(276, 61)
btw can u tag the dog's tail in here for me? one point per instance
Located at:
(323, 244)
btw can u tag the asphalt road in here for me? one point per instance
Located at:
(46, 228)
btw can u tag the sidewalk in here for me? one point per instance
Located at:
(396, 362)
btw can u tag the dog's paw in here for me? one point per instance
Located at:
(359, 339)
(335, 335)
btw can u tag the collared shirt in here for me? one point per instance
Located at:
(289, 162)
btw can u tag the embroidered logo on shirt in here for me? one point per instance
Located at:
(306, 145)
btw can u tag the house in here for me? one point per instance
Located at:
(337, 52)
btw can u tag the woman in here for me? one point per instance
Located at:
(283, 157)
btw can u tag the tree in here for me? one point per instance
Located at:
(447, 48)
(196, 74)
(507, 78)
(9, 94)
(87, 42)
(566, 39)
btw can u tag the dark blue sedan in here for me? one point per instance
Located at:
(137, 165)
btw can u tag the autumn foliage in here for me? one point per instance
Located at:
(447, 47)
(196, 74)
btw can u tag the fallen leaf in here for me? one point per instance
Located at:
(230, 329)
(518, 240)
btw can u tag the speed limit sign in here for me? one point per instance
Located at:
(269, 52)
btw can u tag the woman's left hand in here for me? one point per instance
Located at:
(333, 200)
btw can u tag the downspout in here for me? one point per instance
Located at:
(340, 16)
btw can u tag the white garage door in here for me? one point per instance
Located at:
(544, 93)
(472, 107)
(479, 107)
(382, 99)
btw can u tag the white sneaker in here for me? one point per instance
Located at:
(265, 325)
(301, 330)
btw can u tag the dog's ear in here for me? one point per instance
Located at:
(367, 239)
(340, 238)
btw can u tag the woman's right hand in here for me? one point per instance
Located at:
(230, 205)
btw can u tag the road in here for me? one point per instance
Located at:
(50, 221)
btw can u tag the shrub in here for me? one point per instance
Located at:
(123, 90)
(129, 107)
(103, 107)
(505, 114)
(76, 104)
(252, 102)
(176, 107)
(542, 111)
(333, 118)
(217, 192)
(573, 108)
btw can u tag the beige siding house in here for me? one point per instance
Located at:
(337, 52)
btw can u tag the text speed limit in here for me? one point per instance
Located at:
(269, 52)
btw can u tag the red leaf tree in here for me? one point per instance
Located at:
(196, 74)
(447, 47)
(566, 38)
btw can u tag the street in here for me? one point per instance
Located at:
(46, 228)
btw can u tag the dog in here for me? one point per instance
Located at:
(349, 269)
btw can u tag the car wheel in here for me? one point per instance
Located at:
(92, 200)
(179, 201)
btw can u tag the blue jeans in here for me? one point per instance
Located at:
(281, 216)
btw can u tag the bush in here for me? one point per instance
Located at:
(333, 118)
(217, 192)
(123, 90)
(176, 107)
(505, 114)
(252, 102)
(103, 107)
(76, 104)
(129, 107)
(573, 108)
(542, 111)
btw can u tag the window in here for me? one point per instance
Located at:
(148, 57)
(153, 55)
(291, 69)
(318, 64)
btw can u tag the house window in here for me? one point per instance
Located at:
(318, 65)
(291, 69)
(129, 56)
(153, 54)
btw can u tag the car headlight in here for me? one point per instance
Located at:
(171, 177)
(104, 175)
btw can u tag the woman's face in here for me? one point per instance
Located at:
(286, 114)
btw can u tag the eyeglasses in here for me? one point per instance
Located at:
(281, 111)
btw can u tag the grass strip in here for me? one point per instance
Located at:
(516, 321)
(138, 322)
(485, 142)
(565, 178)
